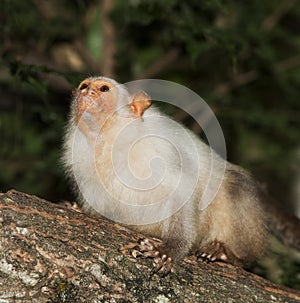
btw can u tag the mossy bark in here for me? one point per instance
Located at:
(51, 253)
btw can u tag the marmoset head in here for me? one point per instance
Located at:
(101, 95)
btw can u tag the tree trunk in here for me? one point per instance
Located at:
(51, 253)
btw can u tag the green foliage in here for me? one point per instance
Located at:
(218, 42)
(282, 265)
(241, 57)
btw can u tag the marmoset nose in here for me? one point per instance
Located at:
(92, 92)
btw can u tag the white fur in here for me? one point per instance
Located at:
(153, 172)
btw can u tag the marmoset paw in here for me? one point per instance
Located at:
(143, 249)
(147, 249)
(213, 251)
(164, 264)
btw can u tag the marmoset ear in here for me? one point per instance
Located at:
(140, 102)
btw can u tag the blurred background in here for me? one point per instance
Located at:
(242, 58)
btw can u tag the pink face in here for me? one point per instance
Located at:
(95, 97)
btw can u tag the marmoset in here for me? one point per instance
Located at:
(121, 153)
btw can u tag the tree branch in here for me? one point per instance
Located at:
(222, 89)
(161, 64)
(52, 254)
(109, 39)
(282, 9)
(91, 64)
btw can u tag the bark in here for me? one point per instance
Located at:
(109, 38)
(52, 253)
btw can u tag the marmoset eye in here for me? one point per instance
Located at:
(104, 88)
(83, 86)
